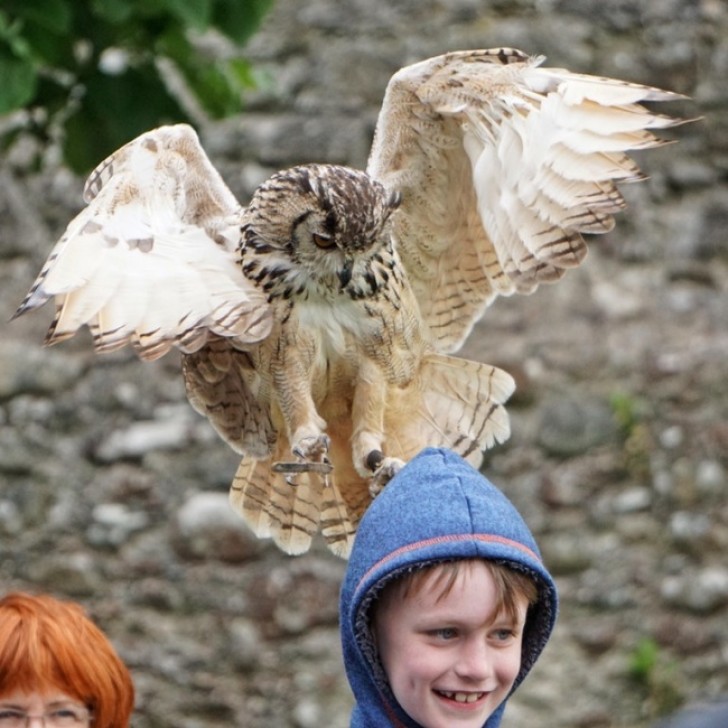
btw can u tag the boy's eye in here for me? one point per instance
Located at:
(445, 633)
(504, 634)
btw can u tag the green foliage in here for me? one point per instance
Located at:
(643, 660)
(626, 411)
(89, 71)
(629, 414)
(657, 676)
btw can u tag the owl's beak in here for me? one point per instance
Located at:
(345, 273)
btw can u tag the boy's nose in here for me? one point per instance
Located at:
(475, 661)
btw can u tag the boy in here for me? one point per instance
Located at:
(446, 604)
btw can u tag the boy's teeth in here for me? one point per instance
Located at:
(462, 697)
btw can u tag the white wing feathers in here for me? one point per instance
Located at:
(509, 164)
(151, 260)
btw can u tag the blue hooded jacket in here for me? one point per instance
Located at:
(437, 508)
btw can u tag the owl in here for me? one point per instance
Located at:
(318, 323)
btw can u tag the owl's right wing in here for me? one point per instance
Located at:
(151, 260)
(501, 166)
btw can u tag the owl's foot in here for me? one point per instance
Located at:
(384, 470)
(312, 449)
(312, 458)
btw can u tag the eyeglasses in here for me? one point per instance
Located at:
(66, 717)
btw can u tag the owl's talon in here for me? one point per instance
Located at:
(387, 469)
(312, 448)
(374, 459)
(311, 452)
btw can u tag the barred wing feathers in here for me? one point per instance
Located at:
(151, 260)
(223, 385)
(503, 166)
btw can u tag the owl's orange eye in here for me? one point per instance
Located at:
(323, 241)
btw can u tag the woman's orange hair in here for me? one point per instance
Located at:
(47, 644)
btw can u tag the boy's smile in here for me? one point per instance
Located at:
(449, 659)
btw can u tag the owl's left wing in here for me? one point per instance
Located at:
(151, 260)
(502, 165)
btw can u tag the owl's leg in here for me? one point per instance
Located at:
(368, 428)
(309, 442)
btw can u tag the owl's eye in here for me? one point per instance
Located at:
(323, 241)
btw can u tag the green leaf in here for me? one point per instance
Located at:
(174, 44)
(215, 89)
(195, 13)
(18, 82)
(644, 659)
(113, 11)
(114, 110)
(52, 15)
(10, 36)
(41, 67)
(242, 71)
(239, 19)
(54, 52)
(215, 83)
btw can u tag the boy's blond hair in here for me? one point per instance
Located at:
(510, 585)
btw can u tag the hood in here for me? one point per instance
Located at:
(437, 508)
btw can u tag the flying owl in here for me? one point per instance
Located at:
(317, 323)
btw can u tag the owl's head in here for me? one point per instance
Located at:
(315, 227)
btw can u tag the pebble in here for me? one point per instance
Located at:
(569, 426)
(16, 453)
(701, 591)
(672, 437)
(307, 714)
(114, 523)
(206, 527)
(24, 368)
(632, 500)
(688, 528)
(565, 553)
(617, 302)
(597, 639)
(74, 574)
(147, 436)
(244, 644)
(10, 519)
(710, 478)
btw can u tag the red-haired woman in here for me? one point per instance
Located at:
(58, 669)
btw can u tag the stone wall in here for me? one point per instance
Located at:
(113, 492)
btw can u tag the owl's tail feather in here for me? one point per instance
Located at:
(274, 508)
(291, 513)
(347, 495)
(453, 403)
(457, 404)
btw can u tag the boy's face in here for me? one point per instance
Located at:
(450, 661)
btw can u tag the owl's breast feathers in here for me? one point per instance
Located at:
(373, 314)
